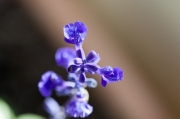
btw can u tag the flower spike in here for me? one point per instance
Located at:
(77, 65)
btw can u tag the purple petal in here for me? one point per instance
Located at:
(112, 74)
(91, 67)
(73, 68)
(103, 82)
(81, 28)
(77, 109)
(75, 33)
(48, 82)
(46, 92)
(90, 72)
(78, 61)
(97, 59)
(64, 56)
(70, 41)
(106, 70)
(82, 77)
(69, 31)
(92, 57)
(118, 72)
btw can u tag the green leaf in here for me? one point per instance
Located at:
(5, 111)
(30, 116)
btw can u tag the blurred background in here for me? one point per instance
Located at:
(140, 36)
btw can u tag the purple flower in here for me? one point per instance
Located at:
(77, 64)
(64, 56)
(79, 109)
(49, 81)
(109, 74)
(78, 105)
(89, 64)
(75, 33)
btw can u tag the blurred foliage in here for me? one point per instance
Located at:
(30, 116)
(7, 113)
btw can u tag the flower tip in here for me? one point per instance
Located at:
(119, 72)
(81, 26)
(75, 33)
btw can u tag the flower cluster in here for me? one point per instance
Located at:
(77, 65)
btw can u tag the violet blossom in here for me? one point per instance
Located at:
(77, 65)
